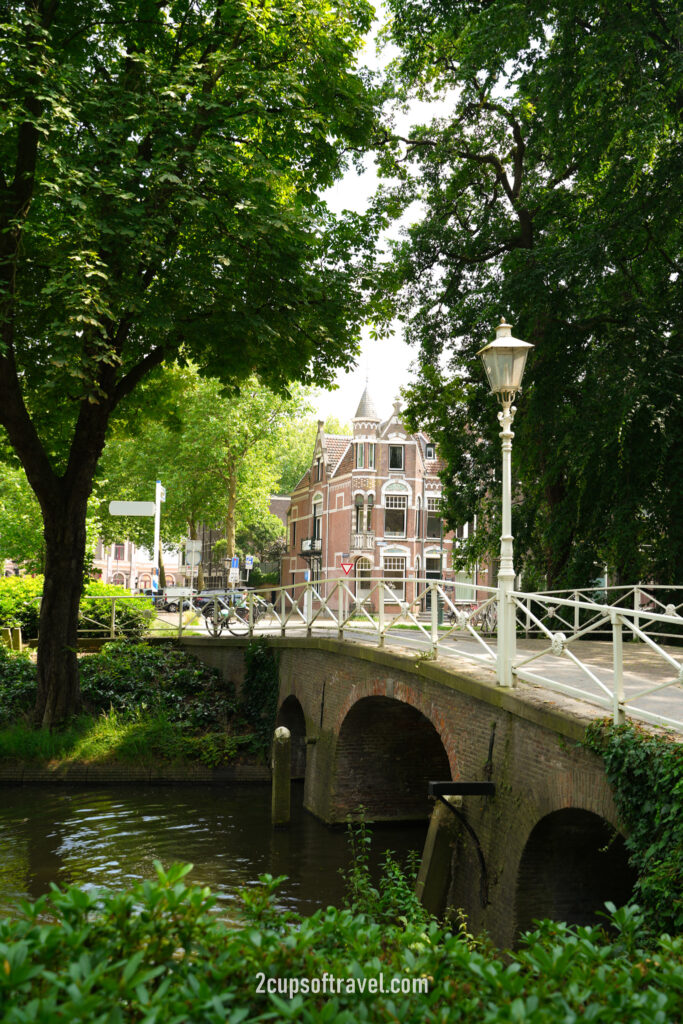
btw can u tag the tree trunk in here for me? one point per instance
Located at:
(192, 527)
(230, 517)
(58, 694)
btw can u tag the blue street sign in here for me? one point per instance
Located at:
(235, 563)
(307, 575)
(249, 562)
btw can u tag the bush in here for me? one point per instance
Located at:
(133, 616)
(156, 679)
(645, 772)
(19, 603)
(17, 685)
(19, 606)
(258, 705)
(157, 953)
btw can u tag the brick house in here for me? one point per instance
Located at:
(372, 500)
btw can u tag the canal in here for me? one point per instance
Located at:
(110, 837)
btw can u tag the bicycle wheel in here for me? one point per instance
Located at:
(238, 621)
(214, 626)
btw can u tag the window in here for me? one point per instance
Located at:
(360, 453)
(430, 451)
(371, 503)
(294, 534)
(317, 520)
(395, 515)
(319, 469)
(119, 552)
(433, 518)
(418, 519)
(395, 574)
(371, 456)
(395, 456)
(359, 513)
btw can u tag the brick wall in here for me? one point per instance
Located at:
(379, 725)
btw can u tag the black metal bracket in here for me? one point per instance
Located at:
(441, 790)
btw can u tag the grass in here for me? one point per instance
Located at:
(111, 737)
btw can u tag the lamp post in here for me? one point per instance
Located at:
(504, 360)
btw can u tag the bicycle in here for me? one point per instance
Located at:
(233, 617)
(483, 616)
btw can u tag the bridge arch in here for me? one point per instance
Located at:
(572, 863)
(291, 716)
(386, 753)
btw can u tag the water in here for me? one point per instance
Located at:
(110, 836)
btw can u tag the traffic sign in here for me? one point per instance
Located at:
(347, 567)
(235, 562)
(132, 508)
(249, 562)
(233, 575)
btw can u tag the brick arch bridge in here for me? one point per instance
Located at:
(372, 727)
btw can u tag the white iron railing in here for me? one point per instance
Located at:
(642, 678)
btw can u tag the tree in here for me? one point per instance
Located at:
(160, 166)
(297, 454)
(217, 453)
(550, 195)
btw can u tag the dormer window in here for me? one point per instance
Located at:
(430, 451)
(395, 456)
(318, 469)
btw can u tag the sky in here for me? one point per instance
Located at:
(385, 364)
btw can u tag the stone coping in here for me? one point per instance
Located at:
(546, 708)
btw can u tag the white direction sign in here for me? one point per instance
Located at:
(132, 508)
(249, 562)
(234, 576)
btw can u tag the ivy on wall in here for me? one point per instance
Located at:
(645, 772)
(258, 701)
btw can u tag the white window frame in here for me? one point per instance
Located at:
(391, 565)
(393, 502)
(402, 449)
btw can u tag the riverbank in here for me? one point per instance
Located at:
(148, 713)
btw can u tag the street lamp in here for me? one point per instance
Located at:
(504, 360)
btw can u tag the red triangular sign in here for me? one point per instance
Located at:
(347, 567)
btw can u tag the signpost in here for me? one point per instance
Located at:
(144, 508)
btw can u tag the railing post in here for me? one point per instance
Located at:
(636, 606)
(434, 609)
(380, 615)
(112, 623)
(283, 610)
(527, 627)
(341, 601)
(619, 715)
(308, 602)
(250, 606)
(577, 620)
(181, 602)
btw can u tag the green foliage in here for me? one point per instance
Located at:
(19, 597)
(144, 703)
(392, 899)
(132, 616)
(156, 680)
(218, 452)
(17, 684)
(157, 952)
(549, 191)
(646, 775)
(258, 699)
(19, 606)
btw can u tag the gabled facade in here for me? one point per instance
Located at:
(373, 500)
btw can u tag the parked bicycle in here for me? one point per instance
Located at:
(483, 617)
(231, 611)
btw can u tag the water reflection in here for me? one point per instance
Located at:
(111, 837)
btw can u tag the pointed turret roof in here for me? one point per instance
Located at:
(366, 407)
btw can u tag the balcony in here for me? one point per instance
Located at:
(362, 542)
(311, 545)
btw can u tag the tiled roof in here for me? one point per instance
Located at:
(366, 407)
(335, 446)
(345, 465)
